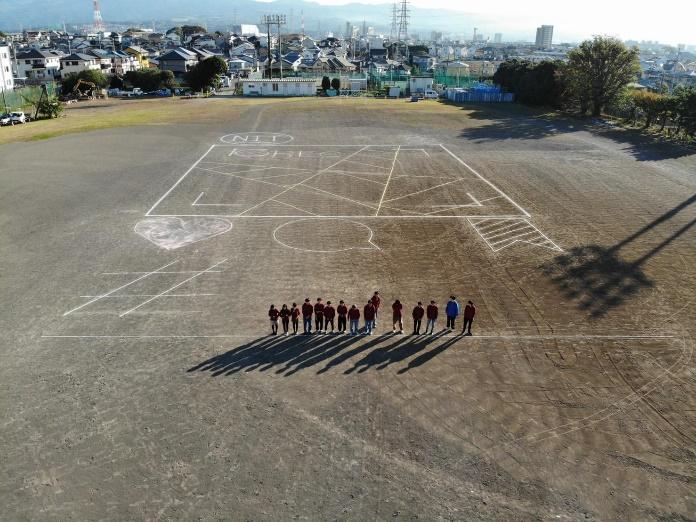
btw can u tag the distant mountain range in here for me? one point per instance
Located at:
(220, 14)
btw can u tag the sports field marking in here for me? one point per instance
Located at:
(162, 272)
(426, 190)
(179, 180)
(197, 204)
(360, 203)
(386, 186)
(369, 241)
(150, 295)
(110, 292)
(499, 233)
(508, 198)
(361, 179)
(149, 300)
(293, 206)
(303, 181)
(256, 180)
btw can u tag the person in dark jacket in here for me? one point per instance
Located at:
(376, 302)
(307, 311)
(342, 311)
(452, 311)
(469, 313)
(397, 307)
(431, 313)
(354, 316)
(329, 314)
(418, 313)
(294, 315)
(285, 318)
(369, 317)
(273, 315)
(319, 316)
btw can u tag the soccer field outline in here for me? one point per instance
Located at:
(500, 222)
(520, 211)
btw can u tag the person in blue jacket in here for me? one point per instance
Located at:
(452, 312)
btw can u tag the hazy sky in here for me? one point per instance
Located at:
(669, 22)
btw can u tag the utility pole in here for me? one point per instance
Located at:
(268, 21)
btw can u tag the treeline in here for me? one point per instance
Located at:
(596, 79)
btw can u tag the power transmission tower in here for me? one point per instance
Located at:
(403, 21)
(395, 11)
(98, 22)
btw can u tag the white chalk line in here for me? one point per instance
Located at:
(386, 186)
(360, 203)
(369, 239)
(197, 204)
(293, 206)
(149, 295)
(257, 180)
(303, 181)
(102, 296)
(171, 288)
(459, 180)
(162, 271)
(179, 180)
(343, 216)
(486, 181)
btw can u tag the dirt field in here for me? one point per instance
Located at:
(138, 380)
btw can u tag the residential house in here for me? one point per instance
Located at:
(78, 62)
(178, 60)
(38, 66)
(140, 54)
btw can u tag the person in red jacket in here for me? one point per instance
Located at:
(307, 311)
(418, 313)
(329, 314)
(376, 301)
(285, 318)
(469, 313)
(369, 317)
(342, 311)
(294, 315)
(319, 316)
(396, 317)
(273, 315)
(431, 314)
(354, 316)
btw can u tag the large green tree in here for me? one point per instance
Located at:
(206, 74)
(151, 79)
(532, 84)
(598, 70)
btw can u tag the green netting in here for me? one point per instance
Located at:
(24, 98)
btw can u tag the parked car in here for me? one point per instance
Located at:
(18, 117)
(431, 95)
(5, 119)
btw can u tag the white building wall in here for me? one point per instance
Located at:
(278, 88)
(6, 78)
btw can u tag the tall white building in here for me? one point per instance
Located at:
(544, 36)
(6, 77)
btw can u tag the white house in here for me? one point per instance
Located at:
(77, 62)
(6, 79)
(38, 66)
(280, 87)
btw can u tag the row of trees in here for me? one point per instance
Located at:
(596, 78)
(595, 75)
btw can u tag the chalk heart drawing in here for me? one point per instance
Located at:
(171, 233)
(325, 235)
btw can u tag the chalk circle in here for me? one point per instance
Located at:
(257, 138)
(325, 235)
(170, 232)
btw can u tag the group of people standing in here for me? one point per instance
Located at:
(322, 316)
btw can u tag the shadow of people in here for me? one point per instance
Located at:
(598, 279)
(427, 356)
(290, 355)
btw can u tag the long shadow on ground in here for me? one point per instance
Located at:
(507, 122)
(289, 355)
(598, 279)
